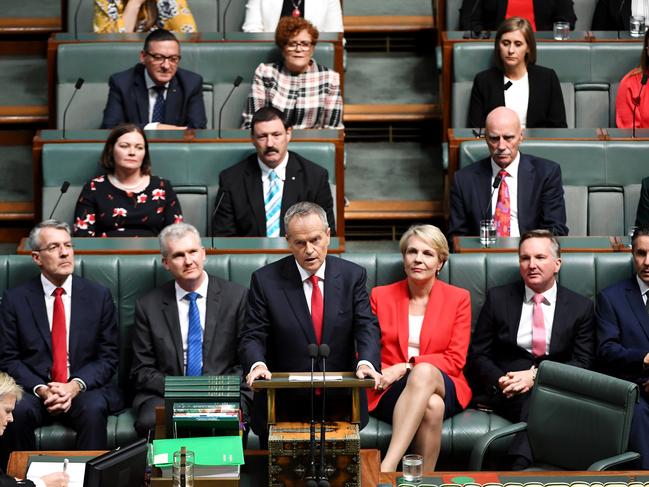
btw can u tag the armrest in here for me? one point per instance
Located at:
(608, 463)
(485, 441)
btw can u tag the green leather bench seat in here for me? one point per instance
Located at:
(589, 73)
(130, 276)
(218, 62)
(601, 179)
(192, 168)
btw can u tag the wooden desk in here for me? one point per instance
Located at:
(17, 466)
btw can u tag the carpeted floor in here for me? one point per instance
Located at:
(24, 80)
(390, 78)
(397, 171)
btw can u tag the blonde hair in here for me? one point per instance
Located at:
(431, 235)
(8, 387)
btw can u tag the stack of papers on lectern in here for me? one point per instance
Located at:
(214, 456)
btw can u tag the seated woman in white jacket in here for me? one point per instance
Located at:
(263, 15)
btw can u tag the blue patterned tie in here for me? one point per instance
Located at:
(159, 107)
(273, 205)
(194, 337)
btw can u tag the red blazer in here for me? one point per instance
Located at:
(445, 332)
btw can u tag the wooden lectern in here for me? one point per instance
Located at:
(289, 441)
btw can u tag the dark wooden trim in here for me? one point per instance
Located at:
(393, 209)
(29, 25)
(388, 23)
(394, 113)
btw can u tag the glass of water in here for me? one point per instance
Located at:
(487, 232)
(413, 468)
(561, 31)
(182, 470)
(637, 25)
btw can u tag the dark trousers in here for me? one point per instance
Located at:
(87, 416)
(639, 437)
(145, 420)
(516, 409)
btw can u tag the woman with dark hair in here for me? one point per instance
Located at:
(629, 94)
(126, 201)
(306, 92)
(517, 82)
(116, 16)
(425, 331)
(479, 15)
(263, 15)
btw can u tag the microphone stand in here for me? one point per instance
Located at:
(310, 480)
(322, 477)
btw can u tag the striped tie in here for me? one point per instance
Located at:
(273, 205)
(159, 107)
(194, 337)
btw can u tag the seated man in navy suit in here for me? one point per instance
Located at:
(255, 193)
(59, 340)
(530, 194)
(520, 325)
(623, 338)
(156, 94)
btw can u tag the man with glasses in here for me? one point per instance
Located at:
(59, 341)
(156, 94)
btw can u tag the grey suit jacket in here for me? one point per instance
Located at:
(157, 341)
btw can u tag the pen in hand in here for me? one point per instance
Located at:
(65, 464)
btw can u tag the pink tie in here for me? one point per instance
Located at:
(59, 339)
(503, 213)
(538, 327)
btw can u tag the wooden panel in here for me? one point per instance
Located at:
(27, 25)
(23, 114)
(393, 113)
(387, 23)
(393, 209)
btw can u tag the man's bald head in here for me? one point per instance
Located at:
(504, 135)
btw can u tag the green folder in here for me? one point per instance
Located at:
(208, 451)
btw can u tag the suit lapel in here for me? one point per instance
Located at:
(173, 103)
(483, 190)
(403, 326)
(561, 319)
(141, 95)
(170, 312)
(212, 312)
(514, 308)
(36, 299)
(291, 192)
(295, 296)
(634, 298)
(332, 299)
(255, 193)
(432, 316)
(526, 206)
(78, 303)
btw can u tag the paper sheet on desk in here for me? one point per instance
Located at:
(316, 377)
(76, 471)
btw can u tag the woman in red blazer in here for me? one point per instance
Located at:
(426, 328)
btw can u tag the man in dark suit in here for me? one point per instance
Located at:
(286, 311)
(523, 323)
(156, 94)
(245, 204)
(164, 340)
(59, 340)
(642, 215)
(530, 185)
(623, 337)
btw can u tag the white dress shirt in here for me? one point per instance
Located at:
(512, 184)
(280, 170)
(549, 304)
(643, 289)
(517, 96)
(183, 312)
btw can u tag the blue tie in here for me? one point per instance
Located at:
(159, 107)
(194, 337)
(273, 205)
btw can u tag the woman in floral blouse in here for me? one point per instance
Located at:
(114, 16)
(126, 201)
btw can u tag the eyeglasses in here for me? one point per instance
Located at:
(51, 248)
(293, 45)
(160, 59)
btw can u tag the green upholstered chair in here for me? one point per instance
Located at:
(578, 420)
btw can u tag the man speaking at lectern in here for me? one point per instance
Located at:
(287, 312)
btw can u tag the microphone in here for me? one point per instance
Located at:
(636, 100)
(310, 480)
(62, 191)
(494, 186)
(236, 84)
(216, 208)
(77, 87)
(507, 86)
(76, 20)
(225, 15)
(324, 354)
